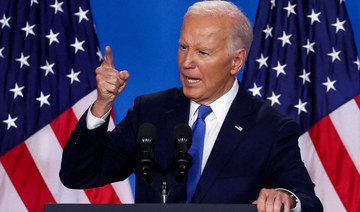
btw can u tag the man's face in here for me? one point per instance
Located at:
(207, 71)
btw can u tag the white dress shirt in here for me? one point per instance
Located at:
(214, 120)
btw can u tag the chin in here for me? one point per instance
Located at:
(191, 93)
(188, 93)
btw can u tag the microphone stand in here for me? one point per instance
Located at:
(181, 163)
(164, 189)
(175, 165)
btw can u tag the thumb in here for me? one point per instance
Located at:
(108, 59)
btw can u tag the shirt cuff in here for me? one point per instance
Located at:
(93, 122)
(298, 203)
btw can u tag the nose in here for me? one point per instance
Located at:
(189, 60)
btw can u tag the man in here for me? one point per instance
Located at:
(250, 152)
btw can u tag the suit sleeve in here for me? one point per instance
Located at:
(285, 168)
(93, 158)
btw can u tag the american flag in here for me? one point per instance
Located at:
(304, 62)
(48, 55)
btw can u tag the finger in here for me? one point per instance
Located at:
(287, 202)
(262, 200)
(278, 203)
(106, 89)
(108, 59)
(124, 75)
(286, 206)
(108, 75)
(270, 201)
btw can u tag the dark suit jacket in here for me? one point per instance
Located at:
(264, 154)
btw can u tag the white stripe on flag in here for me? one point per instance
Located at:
(324, 188)
(346, 120)
(47, 152)
(123, 190)
(83, 104)
(9, 198)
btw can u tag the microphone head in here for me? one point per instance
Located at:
(182, 134)
(147, 131)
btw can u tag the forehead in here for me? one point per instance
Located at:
(205, 30)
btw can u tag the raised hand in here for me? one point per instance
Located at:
(110, 83)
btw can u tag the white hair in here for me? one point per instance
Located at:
(241, 34)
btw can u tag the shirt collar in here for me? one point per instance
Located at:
(220, 107)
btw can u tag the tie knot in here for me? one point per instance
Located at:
(204, 110)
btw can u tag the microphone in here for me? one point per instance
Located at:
(182, 141)
(146, 142)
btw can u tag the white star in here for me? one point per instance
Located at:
(329, 85)
(5, 21)
(48, 68)
(272, 4)
(73, 76)
(309, 46)
(34, 1)
(17, 91)
(357, 62)
(43, 99)
(255, 90)
(314, 16)
(28, 29)
(301, 107)
(274, 99)
(339, 25)
(52, 37)
(335, 55)
(78, 45)
(98, 53)
(262, 61)
(57, 6)
(341, 1)
(305, 76)
(290, 9)
(280, 69)
(1, 50)
(10, 122)
(82, 14)
(268, 31)
(23, 60)
(285, 39)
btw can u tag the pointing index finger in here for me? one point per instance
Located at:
(108, 59)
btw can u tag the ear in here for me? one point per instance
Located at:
(238, 61)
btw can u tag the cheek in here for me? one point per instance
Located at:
(180, 57)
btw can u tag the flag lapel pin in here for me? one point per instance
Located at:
(238, 127)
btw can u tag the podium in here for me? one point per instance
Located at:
(150, 208)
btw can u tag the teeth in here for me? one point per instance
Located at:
(192, 80)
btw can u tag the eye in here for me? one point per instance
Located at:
(203, 53)
(182, 46)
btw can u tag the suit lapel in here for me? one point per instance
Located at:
(177, 113)
(235, 126)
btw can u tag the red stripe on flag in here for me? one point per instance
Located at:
(62, 127)
(337, 163)
(26, 178)
(103, 195)
(357, 100)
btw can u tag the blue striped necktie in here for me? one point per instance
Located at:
(196, 150)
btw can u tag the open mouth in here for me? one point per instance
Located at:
(192, 80)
